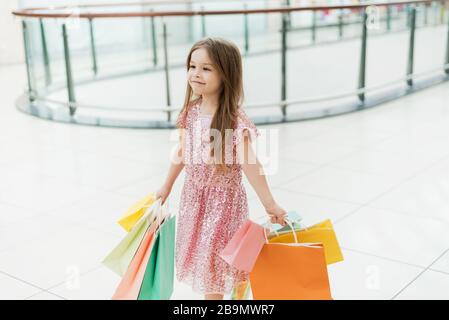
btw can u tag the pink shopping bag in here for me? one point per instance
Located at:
(242, 250)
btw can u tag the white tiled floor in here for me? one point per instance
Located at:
(381, 175)
(442, 264)
(430, 285)
(363, 276)
(14, 289)
(414, 240)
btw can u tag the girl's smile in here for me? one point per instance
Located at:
(203, 77)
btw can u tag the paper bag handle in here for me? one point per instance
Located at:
(290, 225)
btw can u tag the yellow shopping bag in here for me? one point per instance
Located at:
(136, 211)
(322, 232)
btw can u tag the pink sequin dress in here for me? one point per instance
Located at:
(213, 206)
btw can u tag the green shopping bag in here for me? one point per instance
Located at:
(158, 280)
(120, 257)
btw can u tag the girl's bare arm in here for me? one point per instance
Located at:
(176, 166)
(255, 174)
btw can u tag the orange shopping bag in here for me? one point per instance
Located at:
(290, 271)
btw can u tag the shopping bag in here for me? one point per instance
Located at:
(322, 232)
(290, 271)
(120, 257)
(136, 211)
(241, 291)
(242, 250)
(129, 286)
(159, 274)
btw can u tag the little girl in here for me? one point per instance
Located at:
(213, 136)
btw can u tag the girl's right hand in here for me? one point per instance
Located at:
(163, 193)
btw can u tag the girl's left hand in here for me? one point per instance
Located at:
(276, 214)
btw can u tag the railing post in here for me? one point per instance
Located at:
(284, 65)
(92, 47)
(45, 54)
(426, 15)
(412, 18)
(313, 26)
(245, 16)
(446, 68)
(289, 20)
(167, 80)
(362, 69)
(27, 61)
(203, 24)
(68, 71)
(388, 18)
(153, 40)
(441, 13)
(340, 25)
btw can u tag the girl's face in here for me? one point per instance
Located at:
(203, 77)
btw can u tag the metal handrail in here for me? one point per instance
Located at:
(28, 13)
(126, 4)
(313, 99)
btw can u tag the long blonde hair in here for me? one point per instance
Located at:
(226, 57)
